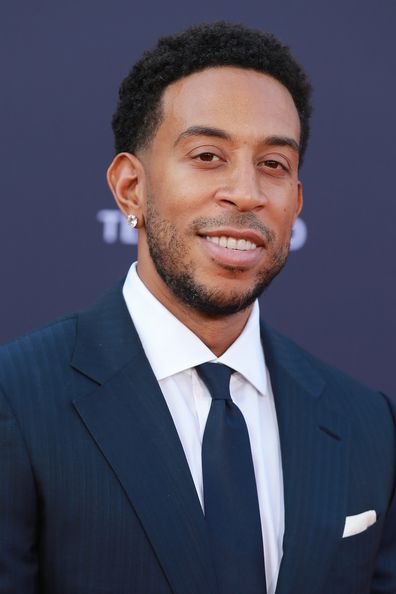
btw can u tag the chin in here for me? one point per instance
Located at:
(214, 301)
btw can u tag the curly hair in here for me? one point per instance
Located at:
(138, 113)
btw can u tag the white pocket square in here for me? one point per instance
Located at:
(359, 523)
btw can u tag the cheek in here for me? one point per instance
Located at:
(283, 221)
(176, 193)
(291, 206)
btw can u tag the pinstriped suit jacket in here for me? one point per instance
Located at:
(96, 496)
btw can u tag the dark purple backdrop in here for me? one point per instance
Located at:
(61, 66)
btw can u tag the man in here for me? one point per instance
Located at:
(115, 478)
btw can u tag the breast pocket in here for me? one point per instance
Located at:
(354, 562)
(360, 549)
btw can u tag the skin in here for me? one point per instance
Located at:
(238, 178)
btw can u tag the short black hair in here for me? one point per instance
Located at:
(138, 113)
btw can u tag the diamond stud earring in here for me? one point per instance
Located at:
(132, 220)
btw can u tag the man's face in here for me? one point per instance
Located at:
(222, 189)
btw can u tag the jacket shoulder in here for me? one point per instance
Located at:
(343, 391)
(41, 350)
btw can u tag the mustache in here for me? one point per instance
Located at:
(241, 221)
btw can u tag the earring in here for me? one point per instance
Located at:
(132, 220)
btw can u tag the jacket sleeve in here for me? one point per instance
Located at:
(18, 507)
(384, 580)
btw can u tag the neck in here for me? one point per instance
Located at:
(217, 333)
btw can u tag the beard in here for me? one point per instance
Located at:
(169, 253)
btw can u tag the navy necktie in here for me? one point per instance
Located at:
(230, 494)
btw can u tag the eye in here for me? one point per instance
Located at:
(274, 164)
(275, 167)
(207, 157)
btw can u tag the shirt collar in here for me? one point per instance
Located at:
(171, 347)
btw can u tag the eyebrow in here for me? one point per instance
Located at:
(202, 131)
(218, 133)
(282, 141)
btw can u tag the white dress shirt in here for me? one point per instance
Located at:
(173, 351)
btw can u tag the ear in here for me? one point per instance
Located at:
(126, 179)
(299, 202)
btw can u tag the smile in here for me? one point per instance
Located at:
(232, 243)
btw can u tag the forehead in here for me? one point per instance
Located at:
(240, 101)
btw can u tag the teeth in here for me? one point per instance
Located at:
(232, 243)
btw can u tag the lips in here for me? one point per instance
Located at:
(231, 257)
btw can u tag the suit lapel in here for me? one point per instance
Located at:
(128, 418)
(314, 449)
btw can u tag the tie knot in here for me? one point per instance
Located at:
(216, 377)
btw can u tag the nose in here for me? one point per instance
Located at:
(242, 189)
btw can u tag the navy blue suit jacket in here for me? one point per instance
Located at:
(96, 496)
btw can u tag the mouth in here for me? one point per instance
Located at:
(232, 248)
(231, 243)
(234, 238)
